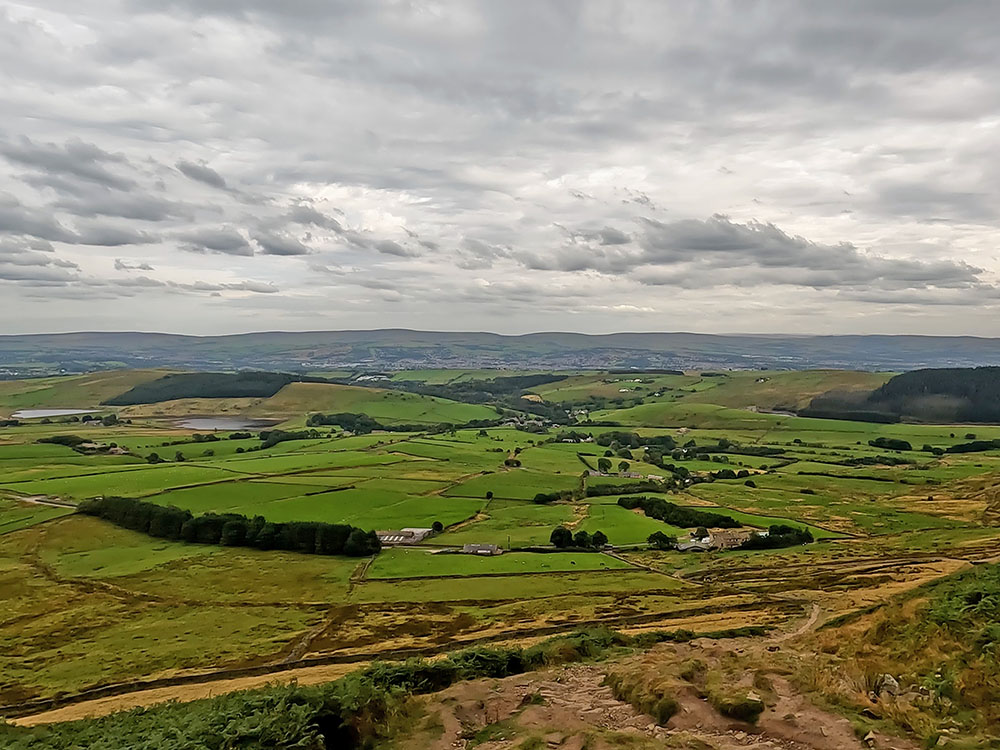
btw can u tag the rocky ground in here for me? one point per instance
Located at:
(572, 709)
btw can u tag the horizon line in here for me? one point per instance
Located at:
(494, 333)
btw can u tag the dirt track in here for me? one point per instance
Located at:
(184, 693)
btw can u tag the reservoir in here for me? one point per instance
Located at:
(36, 413)
(222, 423)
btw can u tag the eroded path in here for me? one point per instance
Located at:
(572, 709)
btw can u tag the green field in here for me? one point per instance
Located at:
(419, 564)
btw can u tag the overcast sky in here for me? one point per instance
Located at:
(215, 166)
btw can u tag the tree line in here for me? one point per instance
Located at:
(233, 529)
(563, 538)
(362, 424)
(676, 515)
(209, 385)
(778, 535)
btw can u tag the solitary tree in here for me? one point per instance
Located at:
(489, 495)
(603, 465)
(437, 527)
(623, 466)
(700, 533)
(599, 539)
(561, 537)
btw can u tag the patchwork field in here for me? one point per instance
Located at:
(93, 604)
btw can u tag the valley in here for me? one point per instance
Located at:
(103, 617)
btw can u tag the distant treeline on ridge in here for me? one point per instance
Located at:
(209, 385)
(939, 395)
(362, 424)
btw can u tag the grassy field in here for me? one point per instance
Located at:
(405, 563)
(389, 407)
(70, 391)
(90, 603)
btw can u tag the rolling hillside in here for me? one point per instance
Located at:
(71, 391)
(291, 401)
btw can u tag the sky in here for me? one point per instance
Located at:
(220, 166)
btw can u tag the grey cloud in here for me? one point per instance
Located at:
(306, 214)
(603, 236)
(864, 126)
(131, 286)
(16, 218)
(84, 161)
(135, 206)
(23, 254)
(113, 236)
(202, 173)
(697, 253)
(932, 203)
(762, 253)
(226, 241)
(121, 265)
(47, 274)
(612, 236)
(239, 286)
(22, 261)
(391, 247)
(477, 254)
(280, 244)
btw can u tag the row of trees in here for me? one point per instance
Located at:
(563, 538)
(676, 515)
(778, 535)
(362, 424)
(551, 497)
(890, 444)
(618, 439)
(604, 465)
(233, 529)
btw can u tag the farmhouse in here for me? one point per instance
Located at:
(728, 538)
(403, 536)
(487, 550)
(717, 539)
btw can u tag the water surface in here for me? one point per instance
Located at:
(35, 413)
(222, 423)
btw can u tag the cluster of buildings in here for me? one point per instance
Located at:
(717, 539)
(408, 536)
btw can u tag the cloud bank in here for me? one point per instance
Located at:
(223, 166)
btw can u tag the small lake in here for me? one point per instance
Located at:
(222, 423)
(36, 413)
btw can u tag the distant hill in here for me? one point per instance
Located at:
(954, 395)
(404, 349)
(929, 395)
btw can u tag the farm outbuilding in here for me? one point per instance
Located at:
(403, 536)
(482, 549)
